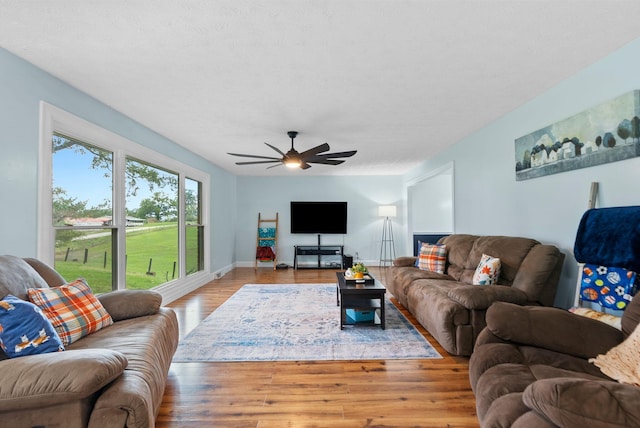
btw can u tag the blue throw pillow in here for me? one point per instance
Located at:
(417, 263)
(25, 330)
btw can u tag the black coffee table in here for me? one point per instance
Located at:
(360, 297)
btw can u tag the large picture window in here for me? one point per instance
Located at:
(82, 211)
(112, 218)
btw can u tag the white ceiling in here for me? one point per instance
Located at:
(397, 80)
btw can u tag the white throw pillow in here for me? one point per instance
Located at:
(488, 271)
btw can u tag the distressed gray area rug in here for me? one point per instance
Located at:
(293, 322)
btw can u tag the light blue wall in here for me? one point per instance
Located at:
(22, 87)
(488, 200)
(268, 195)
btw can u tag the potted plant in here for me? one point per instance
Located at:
(359, 269)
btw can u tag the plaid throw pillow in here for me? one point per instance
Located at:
(433, 257)
(72, 309)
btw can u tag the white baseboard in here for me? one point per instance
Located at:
(174, 290)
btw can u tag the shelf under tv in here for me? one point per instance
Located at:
(318, 256)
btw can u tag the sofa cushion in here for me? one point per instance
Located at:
(459, 246)
(530, 325)
(488, 271)
(562, 401)
(16, 276)
(72, 309)
(405, 261)
(509, 378)
(510, 250)
(403, 278)
(33, 383)
(480, 298)
(125, 304)
(433, 257)
(24, 330)
(51, 277)
(505, 410)
(538, 270)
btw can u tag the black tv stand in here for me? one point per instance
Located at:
(319, 253)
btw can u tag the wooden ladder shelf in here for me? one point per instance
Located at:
(266, 240)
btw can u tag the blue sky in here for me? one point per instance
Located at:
(72, 171)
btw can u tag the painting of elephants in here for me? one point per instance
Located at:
(609, 132)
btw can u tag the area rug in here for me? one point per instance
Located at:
(295, 322)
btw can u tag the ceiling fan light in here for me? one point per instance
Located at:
(292, 163)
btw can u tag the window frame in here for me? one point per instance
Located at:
(55, 120)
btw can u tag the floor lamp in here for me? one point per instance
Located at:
(387, 247)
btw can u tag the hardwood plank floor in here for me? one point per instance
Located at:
(387, 393)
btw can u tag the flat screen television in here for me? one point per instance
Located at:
(319, 217)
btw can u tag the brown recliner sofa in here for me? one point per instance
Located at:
(530, 368)
(114, 377)
(451, 308)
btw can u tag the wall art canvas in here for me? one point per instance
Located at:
(606, 133)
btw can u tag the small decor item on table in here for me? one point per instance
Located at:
(359, 270)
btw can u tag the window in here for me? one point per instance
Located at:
(194, 227)
(82, 211)
(112, 218)
(152, 247)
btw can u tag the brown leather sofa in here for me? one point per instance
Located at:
(451, 308)
(530, 368)
(114, 377)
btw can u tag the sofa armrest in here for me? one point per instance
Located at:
(480, 297)
(125, 304)
(582, 402)
(42, 380)
(551, 328)
(406, 261)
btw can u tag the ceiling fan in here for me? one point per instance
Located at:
(295, 159)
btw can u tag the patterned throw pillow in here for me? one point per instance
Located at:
(488, 271)
(433, 257)
(24, 330)
(72, 309)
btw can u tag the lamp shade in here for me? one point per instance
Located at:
(387, 210)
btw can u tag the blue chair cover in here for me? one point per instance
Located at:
(609, 237)
(608, 242)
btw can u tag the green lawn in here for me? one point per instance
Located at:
(158, 242)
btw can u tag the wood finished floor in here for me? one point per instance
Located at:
(387, 393)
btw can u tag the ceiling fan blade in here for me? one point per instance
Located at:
(275, 148)
(315, 150)
(337, 155)
(258, 162)
(253, 156)
(273, 166)
(304, 165)
(326, 161)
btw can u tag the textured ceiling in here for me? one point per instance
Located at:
(397, 80)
